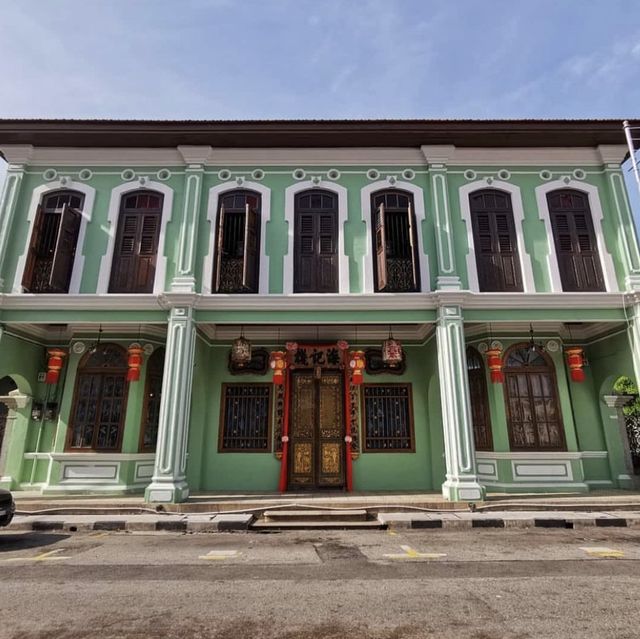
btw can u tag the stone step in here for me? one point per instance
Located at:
(262, 525)
(314, 515)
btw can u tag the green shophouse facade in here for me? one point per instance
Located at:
(459, 237)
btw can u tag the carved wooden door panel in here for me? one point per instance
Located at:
(316, 431)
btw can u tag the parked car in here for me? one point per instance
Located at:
(7, 507)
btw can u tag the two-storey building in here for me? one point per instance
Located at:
(362, 305)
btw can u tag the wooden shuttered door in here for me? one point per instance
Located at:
(495, 241)
(52, 247)
(134, 261)
(316, 243)
(479, 400)
(237, 258)
(575, 242)
(395, 242)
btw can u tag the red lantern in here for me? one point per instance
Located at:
(575, 357)
(278, 364)
(356, 364)
(134, 362)
(392, 352)
(494, 360)
(55, 359)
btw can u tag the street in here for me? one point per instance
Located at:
(474, 584)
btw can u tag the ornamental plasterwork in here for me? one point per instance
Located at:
(79, 347)
(483, 347)
(497, 344)
(552, 346)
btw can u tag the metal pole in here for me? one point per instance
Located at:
(632, 151)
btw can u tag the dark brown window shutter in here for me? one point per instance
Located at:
(496, 246)
(219, 245)
(251, 250)
(65, 250)
(32, 253)
(381, 248)
(413, 245)
(575, 242)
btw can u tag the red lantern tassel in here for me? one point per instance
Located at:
(347, 422)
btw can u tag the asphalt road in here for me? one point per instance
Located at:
(477, 584)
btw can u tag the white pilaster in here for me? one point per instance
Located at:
(461, 481)
(169, 482)
(8, 200)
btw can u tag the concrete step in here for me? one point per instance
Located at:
(314, 515)
(262, 525)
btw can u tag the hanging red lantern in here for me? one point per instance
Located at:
(356, 364)
(494, 361)
(55, 360)
(392, 352)
(278, 364)
(575, 358)
(134, 362)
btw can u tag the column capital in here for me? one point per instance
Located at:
(17, 154)
(438, 155)
(195, 155)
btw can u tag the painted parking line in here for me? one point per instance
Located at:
(602, 552)
(217, 555)
(51, 555)
(410, 553)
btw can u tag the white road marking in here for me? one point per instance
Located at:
(215, 555)
(410, 553)
(52, 555)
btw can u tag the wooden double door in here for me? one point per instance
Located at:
(316, 430)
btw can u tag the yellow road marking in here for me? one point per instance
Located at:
(410, 553)
(602, 553)
(390, 532)
(97, 535)
(45, 556)
(217, 555)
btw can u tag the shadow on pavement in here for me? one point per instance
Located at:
(20, 541)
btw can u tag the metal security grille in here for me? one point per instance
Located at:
(245, 421)
(632, 422)
(388, 418)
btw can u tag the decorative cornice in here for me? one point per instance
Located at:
(542, 456)
(195, 154)
(438, 153)
(17, 153)
(617, 401)
(612, 153)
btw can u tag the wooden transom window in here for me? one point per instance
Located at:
(575, 241)
(388, 418)
(531, 395)
(237, 243)
(152, 397)
(479, 400)
(100, 400)
(495, 242)
(316, 242)
(245, 418)
(52, 249)
(135, 256)
(395, 243)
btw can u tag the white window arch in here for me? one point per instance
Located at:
(87, 211)
(289, 215)
(608, 269)
(419, 211)
(526, 266)
(265, 215)
(112, 219)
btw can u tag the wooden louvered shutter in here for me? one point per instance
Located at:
(219, 248)
(564, 251)
(507, 254)
(412, 244)
(32, 253)
(327, 253)
(381, 248)
(123, 270)
(305, 275)
(65, 250)
(251, 250)
(148, 252)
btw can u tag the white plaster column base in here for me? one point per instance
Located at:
(632, 282)
(463, 488)
(166, 492)
(448, 283)
(185, 284)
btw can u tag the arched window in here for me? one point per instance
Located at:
(7, 385)
(151, 408)
(531, 396)
(52, 249)
(575, 241)
(134, 261)
(237, 243)
(479, 400)
(315, 250)
(100, 399)
(495, 241)
(396, 267)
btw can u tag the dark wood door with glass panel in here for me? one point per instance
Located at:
(134, 260)
(316, 430)
(54, 238)
(531, 395)
(494, 238)
(316, 242)
(575, 241)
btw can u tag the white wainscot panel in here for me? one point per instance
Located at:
(144, 472)
(487, 469)
(542, 470)
(90, 472)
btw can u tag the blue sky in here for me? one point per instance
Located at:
(319, 58)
